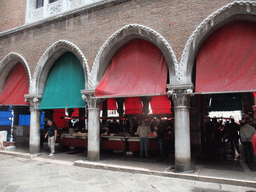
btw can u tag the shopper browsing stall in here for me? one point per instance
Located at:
(143, 131)
(246, 133)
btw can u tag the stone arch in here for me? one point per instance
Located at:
(238, 10)
(47, 60)
(121, 37)
(7, 64)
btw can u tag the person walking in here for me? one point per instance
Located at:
(143, 131)
(233, 130)
(246, 133)
(52, 135)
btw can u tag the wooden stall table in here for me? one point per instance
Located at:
(74, 140)
(134, 144)
(115, 143)
(126, 143)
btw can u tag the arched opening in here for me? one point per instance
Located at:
(223, 75)
(136, 77)
(14, 111)
(70, 54)
(62, 96)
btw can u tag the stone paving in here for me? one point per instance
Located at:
(22, 175)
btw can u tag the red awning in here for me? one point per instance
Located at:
(254, 143)
(226, 62)
(15, 87)
(58, 117)
(111, 102)
(138, 68)
(75, 112)
(160, 105)
(133, 105)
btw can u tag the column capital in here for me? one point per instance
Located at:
(180, 94)
(89, 97)
(34, 100)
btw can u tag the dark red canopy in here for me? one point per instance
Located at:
(160, 105)
(254, 143)
(111, 103)
(133, 105)
(15, 87)
(226, 62)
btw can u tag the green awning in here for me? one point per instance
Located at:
(64, 84)
(225, 102)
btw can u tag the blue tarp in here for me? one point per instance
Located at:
(25, 120)
(5, 117)
(42, 122)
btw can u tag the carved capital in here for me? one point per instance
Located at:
(91, 100)
(34, 100)
(180, 94)
(180, 98)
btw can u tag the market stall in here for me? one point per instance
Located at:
(126, 144)
(124, 141)
(74, 140)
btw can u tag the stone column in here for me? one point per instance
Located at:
(93, 149)
(120, 106)
(35, 114)
(104, 111)
(145, 101)
(182, 130)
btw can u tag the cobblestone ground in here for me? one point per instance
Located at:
(22, 175)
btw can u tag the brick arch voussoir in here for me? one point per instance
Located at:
(122, 36)
(47, 60)
(7, 64)
(212, 22)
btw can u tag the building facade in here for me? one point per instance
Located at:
(36, 33)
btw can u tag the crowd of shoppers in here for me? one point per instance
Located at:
(218, 136)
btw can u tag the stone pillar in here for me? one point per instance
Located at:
(182, 130)
(145, 101)
(104, 111)
(120, 106)
(93, 149)
(35, 114)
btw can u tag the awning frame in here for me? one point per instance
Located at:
(123, 96)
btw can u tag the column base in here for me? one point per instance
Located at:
(34, 148)
(93, 156)
(183, 166)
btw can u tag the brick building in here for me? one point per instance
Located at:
(36, 33)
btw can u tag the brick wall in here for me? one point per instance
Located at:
(175, 20)
(12, 13)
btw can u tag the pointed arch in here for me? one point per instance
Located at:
(121, 37)
(7, 64)
(47, 60)
(238, 10)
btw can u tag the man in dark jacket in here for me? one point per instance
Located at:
(160, 130)
(233, 129)
(52, 135)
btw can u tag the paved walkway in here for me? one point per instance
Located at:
(41, 174)
(231, 171)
